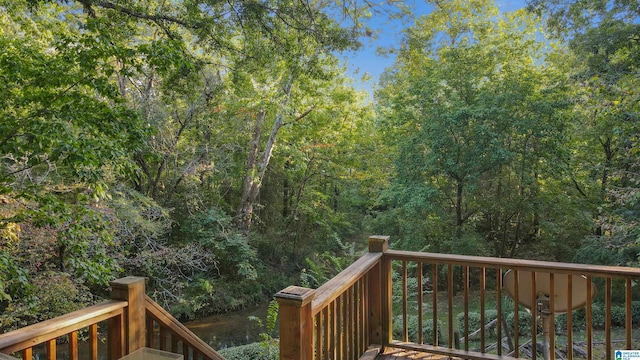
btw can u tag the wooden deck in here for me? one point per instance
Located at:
(399, 354)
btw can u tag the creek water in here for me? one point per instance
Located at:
(230, 329)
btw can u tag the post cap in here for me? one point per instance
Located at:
(127, 280)
(378, 243)
(295, 295)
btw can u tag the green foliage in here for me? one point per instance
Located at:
(14, 282)
(218, 156)
(254, 351)
(524, 322)
(322, 267)
(213, 230)
(473, 109)
(268, 342)
(57, 294)
(267, 348)
(473, 319)
(428, 330)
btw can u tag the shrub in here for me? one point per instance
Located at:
(578, 319)
(524, 322)
(412, 329)
(618, 316)
(598, 316)
(57, 294)
(635, 312)
(474, 321)
(254, 351)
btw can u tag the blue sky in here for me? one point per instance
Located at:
(367, 60)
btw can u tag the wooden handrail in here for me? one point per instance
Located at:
(165, 319)
(50, 329)
(335, 287)
(127, 317)
(340, 319)
(356, 310)
(442, 268)
(516, 264)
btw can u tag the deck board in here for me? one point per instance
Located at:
(400, 354)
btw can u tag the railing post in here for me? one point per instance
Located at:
(380, 294)
(296, 323)
(132, 290)
(378, 243)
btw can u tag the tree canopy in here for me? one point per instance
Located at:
(221, 150)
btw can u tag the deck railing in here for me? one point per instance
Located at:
(458, 306)
(132, 321)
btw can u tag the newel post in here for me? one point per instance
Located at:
(380, 304)
(132, 330)
(296, 323)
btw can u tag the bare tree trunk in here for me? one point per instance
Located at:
(256, 170)
(459, 219)
(245, 207)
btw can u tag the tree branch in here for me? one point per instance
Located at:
(301, 116)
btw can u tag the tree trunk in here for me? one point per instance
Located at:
(245, 207)
(285, 192)
(256, 170)
(459, 219)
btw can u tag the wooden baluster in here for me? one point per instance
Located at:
(420, 327)
(163, 338)
(569, 317)
(365, 315)
(51, 349)
(534, 317)
(116, 337)
(357, 323)
(466, 308)
(318, 335)
(327, 332)
(589, 322)
(339, 328)
(27, 354)
(174, 343)
(450, 305)
(345, 327)
(363, 323)
(352, 316)
(405, 327)
(333, 314)
(73, 345)
(483, 285)
(499, 308)
(296, 323)
(628, 313)
(93, 341)
(185, 350)
(551, 319)
(516, 317)
(346, 315)
(434, 297)
(358, 320)
(150, 332)
(607, 321)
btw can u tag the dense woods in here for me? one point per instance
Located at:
(221, 150)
